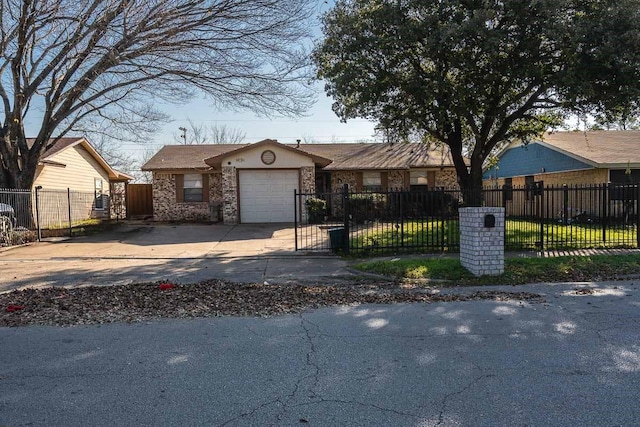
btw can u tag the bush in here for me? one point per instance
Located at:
(316, 210)
(367, 207)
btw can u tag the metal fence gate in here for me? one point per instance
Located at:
(376, 222)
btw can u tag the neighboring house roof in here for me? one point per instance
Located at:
(603, 149)
(568, 151)
(357, 156)
(64, 143)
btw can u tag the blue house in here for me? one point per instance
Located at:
(572, 158)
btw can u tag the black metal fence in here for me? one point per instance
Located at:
(537, 217)
(28, 215)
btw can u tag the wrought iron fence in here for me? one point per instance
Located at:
(537, 217)
(32, 214)
(569, 217)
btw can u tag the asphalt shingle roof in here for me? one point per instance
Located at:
(344, 156)
(600, 147)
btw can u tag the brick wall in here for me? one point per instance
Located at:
(396, 180)
(578, 177)
(230, 195)
(481, 248)
(447, 178)
(165, 207)
(587, 201)
(308, 179)
(340, 178)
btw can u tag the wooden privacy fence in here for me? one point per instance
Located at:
(139, 200)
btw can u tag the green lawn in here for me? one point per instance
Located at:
(428, 236)
(438, 236)
(517, 270)
(521, 234)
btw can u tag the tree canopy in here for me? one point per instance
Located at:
(99, 65)
(473, 74)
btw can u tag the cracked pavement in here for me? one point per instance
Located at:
(573, 360)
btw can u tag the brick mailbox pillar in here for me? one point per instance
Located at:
(482, 240)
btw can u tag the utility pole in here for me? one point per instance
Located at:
(183, 135)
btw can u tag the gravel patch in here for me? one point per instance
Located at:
(142, 302)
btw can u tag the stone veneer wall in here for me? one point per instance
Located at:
(307, 186)
(447, 178)
(340, 178)
(481, 248)
(308, 179)
(230, 195)
(395, 180)
(165, 207)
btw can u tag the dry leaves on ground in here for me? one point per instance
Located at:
(140, 302)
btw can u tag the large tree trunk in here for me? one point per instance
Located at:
(471, 185)
(469, 178)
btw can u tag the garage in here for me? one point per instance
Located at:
(267, 195)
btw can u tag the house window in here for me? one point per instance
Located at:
(98, 196)
(371, 181)
(193, 188)
(624, 176)
(421, 180)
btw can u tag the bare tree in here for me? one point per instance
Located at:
(112, 152)
(140, 176)
(196, 133)
(221, 134)
(99, 65)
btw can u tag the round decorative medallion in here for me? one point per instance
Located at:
(268, 157)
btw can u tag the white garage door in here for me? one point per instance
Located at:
(267, 195)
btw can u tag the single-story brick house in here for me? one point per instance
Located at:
(572, 158)
(255, 183)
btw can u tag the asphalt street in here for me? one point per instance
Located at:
(571, 361)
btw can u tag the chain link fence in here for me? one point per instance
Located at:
(28, 215)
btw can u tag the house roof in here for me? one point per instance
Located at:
(64, 143)
(356, 156)
(187, 156)
(381, 156)
(322, 161)
(605, 149)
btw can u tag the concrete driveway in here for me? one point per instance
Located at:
(179, 253)
(572, 361)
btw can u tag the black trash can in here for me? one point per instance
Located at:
(336, 238)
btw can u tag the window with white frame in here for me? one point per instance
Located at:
(98, 194)
(371, 181)
(192, 187)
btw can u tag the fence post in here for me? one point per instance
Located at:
(401, 220)
(638, 215)
(605, 211)
(295, 218)
(565, 204)
(541, 205)
(69, 205)
(345, 208)
(38, 188)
